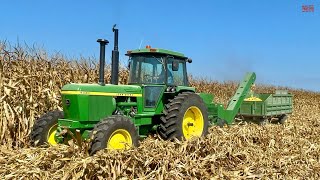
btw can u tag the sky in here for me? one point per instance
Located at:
(225, 38)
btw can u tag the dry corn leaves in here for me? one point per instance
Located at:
(30, 85)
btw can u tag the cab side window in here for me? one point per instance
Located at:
(178, 77)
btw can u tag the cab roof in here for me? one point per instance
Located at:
(149, 50)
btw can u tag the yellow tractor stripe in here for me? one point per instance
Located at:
(99, 93)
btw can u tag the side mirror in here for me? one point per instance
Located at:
(175, 65)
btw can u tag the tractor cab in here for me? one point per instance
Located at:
(156, 71)
(157, 66)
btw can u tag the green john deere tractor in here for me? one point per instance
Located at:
(157, 99)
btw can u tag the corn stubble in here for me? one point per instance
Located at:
(30, 84)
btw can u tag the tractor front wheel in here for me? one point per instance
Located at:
(114, 133)
(45, 128)
(184, 117)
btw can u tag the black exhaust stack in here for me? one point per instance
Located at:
(103, 43)
(115, 58)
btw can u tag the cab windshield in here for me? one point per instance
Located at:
(146, 69)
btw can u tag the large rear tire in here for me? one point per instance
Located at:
(44, 129)
(114, 133)
(184, 117)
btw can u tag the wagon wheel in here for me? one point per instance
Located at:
(263, 121)
(282, 119)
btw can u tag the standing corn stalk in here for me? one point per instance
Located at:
(1, 92)
(2, 96)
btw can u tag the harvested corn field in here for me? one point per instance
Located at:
(30, 84)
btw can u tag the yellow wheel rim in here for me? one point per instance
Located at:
(51, 135)
(120, 139)
(193, 123)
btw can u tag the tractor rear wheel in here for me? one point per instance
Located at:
(184, 117)
(114, 133)
(45, 128)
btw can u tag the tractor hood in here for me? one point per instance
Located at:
(92, 102)
(105, 90)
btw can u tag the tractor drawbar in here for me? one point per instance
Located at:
(103, 43)
(115, 58)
